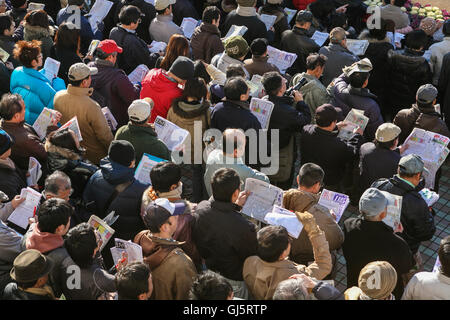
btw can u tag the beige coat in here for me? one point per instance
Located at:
(94, 129)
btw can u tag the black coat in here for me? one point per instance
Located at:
(256, 28)
(67, 59)
(5, 76)
(184, 9)
(12, 181)
(281, 23)
(444, 88)
(416, 217)
(12, 292)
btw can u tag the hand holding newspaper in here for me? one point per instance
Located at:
(394, 210)
(262, 109)
(268, 20)
(92, 47)
(51, 68)
(34, 171)
(146, 165)
(354, 119)
(46, 118)
(282, 59)
(429, 196)
(335, 201)
(103, 228)
(26, 209)
(283, 217)
(72, 124)
(188, 26)
(320, 37)
(172, 135)
(132, 251)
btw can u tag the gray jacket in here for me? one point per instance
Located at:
(394, 13)
(163, 27)
(438, 51)
(338, 58)
(221, 61)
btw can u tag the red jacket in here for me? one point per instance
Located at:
(301, 4)
(161, 90)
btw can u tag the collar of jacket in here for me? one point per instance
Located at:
(126, 30)
(104, 63)
(37, 31)
(64, 152)
(362, 92)
(7, 163)
(188, 110)
(77, 91)
(402, 183)
(164, 18)
(281, 100)
(10, 125)
(246, 11)
(338, 48)
(260, 58)
(430, 111)
(224, 206)
(297, 197)
(210, 28)
(241, 104)
(411, 52)
(300, 31)
(6, 38)
(325, 132)
(147, 129)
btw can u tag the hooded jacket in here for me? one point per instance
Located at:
(314, 92)
(221, 61)
(45, 35)
(206, 43)
(338, 58)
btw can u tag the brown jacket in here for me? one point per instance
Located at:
(259, 65)
(296, 200)
(172, 270)
(262, 278)
(96, 134)
(206, 42)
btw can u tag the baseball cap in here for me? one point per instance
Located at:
(236, 47)
(160, 210)
(426, 93)
(30, 265)
(6, 142)
(411, 164)
(386, 275)
(80, 71)
(259, 46)
(363, 65)
(183, 68)
(387, 132)
(109, 46)
(337, 34)
(162, 4)
(372, 202)
(139, 110)
(304, 16)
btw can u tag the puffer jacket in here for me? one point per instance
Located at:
(338, 58)
(301, 201)
(206, 43)
(45, 35)
(36, 90)
(281, 23)
(173, 272)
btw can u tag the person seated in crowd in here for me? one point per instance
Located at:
(224, 238)
(164, 86)
(7, 42)
(258, 63)
(205, 41)
(368, 238)
(276, 8)
(76, 102)
(36, 90)
(162, 27)
(298, 41)
(114, 188)
(306, 198)
(18, 10)
(112, 88)
(432, 285)
(37, 27)
(265, 270)
(134, 282)
(392, 11)
(301, 287)
(140, 133)
(236, 49)
(386, 277)
(210, 285)
(178, 46)
(438, 51)
(30, 274)
(173, 272)
(313, 91)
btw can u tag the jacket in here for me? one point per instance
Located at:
(256, 28)
(26, 144)
(13, 292)
(36, 90)
(162, 28)
(444, 88)
(67, 59)
(301, 4)
(113, 85)
(259, 65)
(224, 238)
(338, 58)
(394, 13)
(173, 272)
(301, 201)
(297, 41)
(12, 179)
(416, 217)
(221, 61)
(428, 286)
(233, 114)
(438, 51)
(206, 43)
(5, 78)
(7, 43)
(368, 241)
(96, 134)
(314, 92)
(281, 23)
(157, 86)
(144, 140)
(45, 35)
(183, 9)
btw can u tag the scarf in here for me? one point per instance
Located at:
(44, 291)
(8, 163)
(246, 11)
(174, 194)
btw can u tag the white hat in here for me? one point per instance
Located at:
(139, 110)
(162, 4)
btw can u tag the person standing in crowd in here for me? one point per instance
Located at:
(18, 10)
(210, 285)
(392, 11)
(275, 8)
(438, 50)
(178, 46)
(236, 49)
(7, 42)
(183, 9)
(162, 27)
(258, 63)
(37, 27)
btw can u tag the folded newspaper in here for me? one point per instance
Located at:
(320, 37)
(157, 46)
(394, 210)
(34, 171)
(357, 47)
(290, 14)
(146, 165)
(283, 217)
(105, 231)
(355, 118)
(188, 26)
(268, 20)
(112, 122)
(262, 110)
(282, 59)
(98, 12)
(437, 265)
(172, 135)
(138, 74)
(72, 124)
(26, 209)
(236, 31)
(335, 201)
(51, 68)
(45, 119)
(255, 86)
(132, 250)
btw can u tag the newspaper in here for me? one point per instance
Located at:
(262, 198)
(268, 20)
(283, 217)
(34, 170)
(106, 232)
(320, 37)
(35, 6)
(26, 209)
(255, 86)
(4, 56)
(138, 74)
(112, 122)
(44, 120)
(282, 59)
(132, 250)
(157, 46)
(394, 210)
(72, 124)
(98, 12)
(429, 196)
(395, 38)
(152, 2)
(172, 135)
(355, 118)
(188, 26)
(437, 265)
(92, 47)
(290, 14)
(51, 68)
(335, 201)
(262, 110)
(236, 31)
(357, 47)
(146, 165)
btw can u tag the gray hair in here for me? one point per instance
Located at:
(57, 181)
(290, 289)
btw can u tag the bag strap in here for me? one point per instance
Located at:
(117, 190)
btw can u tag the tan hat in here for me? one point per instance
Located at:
(30, 265)
(377, 280)
(162, 4)
(80, 71)
(387, 132)
(139, 110)
(363, 65)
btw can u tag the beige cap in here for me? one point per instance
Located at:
(363, 65)
(387, 132)
(162, 4)
(377, 280)
(140, 110)
(80, 71)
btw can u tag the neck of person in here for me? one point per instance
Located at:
(312, 73)
(330, 128)
(128, 27)
(305, 189)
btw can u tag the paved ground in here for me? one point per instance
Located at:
(442, 4)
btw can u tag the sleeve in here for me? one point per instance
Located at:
(422, 227)
(409, 293)
(444, 78)
(5, 211)
(245, 243)
(216, 75)
(325, 291)
(35, 147)
(100, 127)
(104, 281)
(257, 175)
(322, 264)
(126, 90)
(10, 243)
(216, 46)
(303, 114)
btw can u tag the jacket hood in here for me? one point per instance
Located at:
(37, 32)
(188, 110)
(209, 28)
(66, 153)
(158, 81)
(43, 241)
(115, 173)
(299, 199)
(61, 158)
(409, 59)
(365, 35)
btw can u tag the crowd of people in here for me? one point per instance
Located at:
(196, 242)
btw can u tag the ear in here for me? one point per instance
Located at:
(60, 229)
(298, 180)
(34, 63)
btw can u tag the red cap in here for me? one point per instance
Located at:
(109, 46)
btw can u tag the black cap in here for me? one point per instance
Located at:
(121, 152)
(259, 46)
(325, 115)
(304, 16)
(183, 68)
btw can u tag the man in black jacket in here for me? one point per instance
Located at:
(444, 88)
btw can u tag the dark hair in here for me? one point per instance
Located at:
(444, 256)
(5, 22)
(379, 34)
(80, 243)
(178, 46)
(321, 8)
(67, 37)
(357, 79)
(234, 70)
(210, 13)
(338, 19)
(235, 142)
(163, 10)
(195, 88)
(234, 88)
(64, 139)
(272, 82)
(27, 51)
(272, 241)
(309, 174)
(37, 18)
(384, 145)
(224, 183)
(314, 60)
(416, 39)
(399, 3)
(53, 213)
(446, 28)
(200, 71)
(210, 285)
(10, 105)
(164, 175)
(129, 14)
(77, 83)
(132, 281)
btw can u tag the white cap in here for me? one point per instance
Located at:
(139, 110)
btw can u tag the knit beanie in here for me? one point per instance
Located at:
(122, 152)
(236, 47)
(183, 68)
(429, 25)
(377, 280)
(6, 142)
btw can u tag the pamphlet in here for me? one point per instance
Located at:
(34, 171)
(171, 134)
(157, 46)
(92, 47)
(26, 209)
(188, 26)
(262, 110)
(44, 120)
(112, 122)
(268, 20)
(290, 14)
(357, 47)
(320, 37)
(437, 265)
(72, 124)
(132, 250)
(355, 118)
(98, 12)
(138, 74)
(51, 68)
(283, 217)
(394, 210)
(335, 201)
(236, 31)
(255, 86)
(106, 232)
(4, 56)
(146, 165)
(35, 6)
(429, 196)
(282, 59)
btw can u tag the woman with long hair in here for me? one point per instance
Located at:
(178, 46)
(37, 27)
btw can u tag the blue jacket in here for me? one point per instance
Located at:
(36, 90)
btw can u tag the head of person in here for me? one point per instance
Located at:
(397, 3)
(200, 71)
(130, 17)
(37, 18)
(310, 178)
(236, 47)
(122, 152)
(246, 3)
(28, 53)
(7, 25)
(444, 256)
(58, 185)
(211, 15)
(274, 84)
(78, 3)
(233, 142)
(235, 70)
(178, 46)
(338, 36)
(65, 139)
(236, 89)
(161, 217)
(304, 19)
(108, 50)
(426, 96)
(82, 242)
(338, 19)
(79, 75)
(379, 33)
(358, 73)
(16, 4)
(210, 285)
(31, 269)
(274, 243)
(428, 25)
(373, 205)
(140, 110)
(68, 37)
(164, 7)
(134, 282)
(225, 185)
(411, 168)
(194, 90)
(315, 63)
(416, 40)
(12, 108)
(182, 69)
(54, 216)
(6, 142)
(377, 280)
(326, 117)
(446, 28)
(321, 9)
(291, 289)
(165, 176)
(258, 47)
(386, 136)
